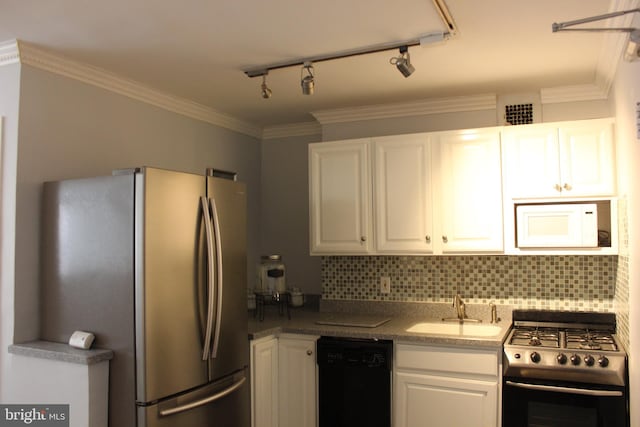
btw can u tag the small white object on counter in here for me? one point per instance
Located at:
(297, 298)
(81, 339)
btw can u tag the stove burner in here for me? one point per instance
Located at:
(590, 340)
(536, 337)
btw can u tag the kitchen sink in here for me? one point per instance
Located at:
(461, 329)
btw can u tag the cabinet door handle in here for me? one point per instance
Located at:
(309, 352)
(428, 239)
(445, 239)
(558, 188)
(363, 239)
(567, 186)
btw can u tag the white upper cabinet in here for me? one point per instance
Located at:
(469, 192)
(565, 160)
(340, 197)
(442, 192)
(402, 194)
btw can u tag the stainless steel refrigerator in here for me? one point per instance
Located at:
(153, 262)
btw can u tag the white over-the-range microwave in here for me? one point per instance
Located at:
(557, 225)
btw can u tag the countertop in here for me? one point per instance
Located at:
(401, 315)
(60, 352)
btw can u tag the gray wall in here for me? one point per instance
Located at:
(285, 210)
(69, 129)
(9, 102)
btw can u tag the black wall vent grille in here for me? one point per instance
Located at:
(519, 114)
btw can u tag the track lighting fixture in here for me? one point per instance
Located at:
(266, 92)
(403, 62)
(307, 82)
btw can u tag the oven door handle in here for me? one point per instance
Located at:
(569, 390)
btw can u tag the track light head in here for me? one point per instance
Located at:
(307, 82)
(403, 62)
(265, 91)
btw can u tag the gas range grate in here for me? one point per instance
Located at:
(536, 337)
(581, 339)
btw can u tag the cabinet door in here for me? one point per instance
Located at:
(586, 159)
(470, 191)
(264, 382)
(339, 197)
(298, 385)
(572, 159)
(531, 162)
(402, 189)
(422, 399)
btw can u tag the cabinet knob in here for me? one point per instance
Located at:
(557, 187)
(428, 239)
(309, 352)
(363, 239)
(567, 187)
(445, 239)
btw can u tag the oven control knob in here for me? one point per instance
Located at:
(603, 361)
(535, 357)
(589, 360)
(562, 358)
(575, 359)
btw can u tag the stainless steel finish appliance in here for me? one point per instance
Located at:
(564, 368)
(153, 262)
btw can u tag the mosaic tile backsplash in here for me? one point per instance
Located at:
(548, 282)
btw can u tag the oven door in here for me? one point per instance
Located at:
(533, 403)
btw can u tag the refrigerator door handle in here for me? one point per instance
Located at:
(219, 277)
(210, 266)
(188, 406)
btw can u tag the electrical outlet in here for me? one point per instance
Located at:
(385, 284)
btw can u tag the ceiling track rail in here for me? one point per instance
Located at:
(434, 37)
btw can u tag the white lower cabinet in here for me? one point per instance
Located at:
(446, 386)
(264, 382)
(298, 380)
(284, 381)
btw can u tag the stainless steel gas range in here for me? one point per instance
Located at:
(564, 369)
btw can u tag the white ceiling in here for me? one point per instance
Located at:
(198, 49)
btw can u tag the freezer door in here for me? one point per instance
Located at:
(223, 403)
(230, 345)
(169, 283)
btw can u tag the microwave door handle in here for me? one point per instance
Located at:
(568, 390)
(219, 276)
(210, 270)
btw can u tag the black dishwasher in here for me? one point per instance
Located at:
(354, 382)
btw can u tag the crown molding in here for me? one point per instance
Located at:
(612, 49)
(290, 130)
(407, 109)
(9, 53)
(39, 58)
(586, 92)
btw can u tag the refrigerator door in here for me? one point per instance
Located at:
(169, 284)
(230, 344)
(223, 403)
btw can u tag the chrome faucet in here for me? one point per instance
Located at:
(494, 313)
(458, 304)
